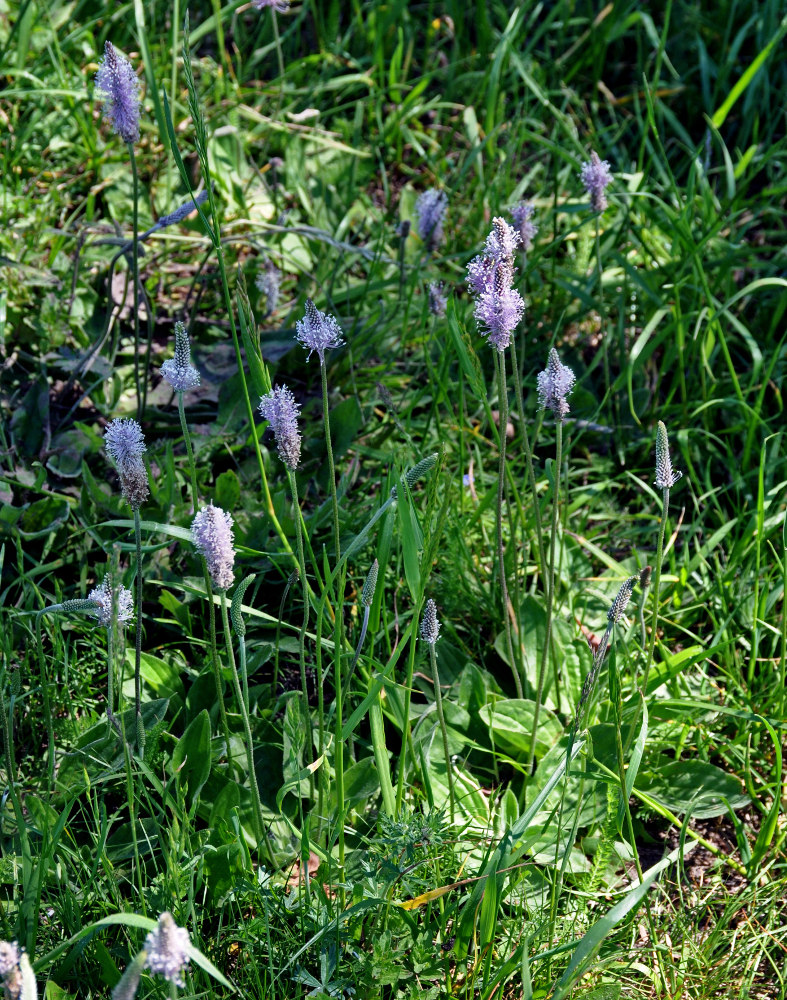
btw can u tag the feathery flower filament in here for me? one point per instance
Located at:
(211, 532)
(318, 331)
(498, 307)
(554, 385)
(167, 949)
(281, 411)
(596, 177)
(179, 371)
(118, 606)
(125, 444)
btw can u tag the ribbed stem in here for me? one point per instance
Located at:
(138, 640)
(189, 453)
(502, 403)
(50, 725)
(305, 586)
(438, 700)
(259, 823)
(214, 656)
(655, 588)
(545, 652)
(135, 278)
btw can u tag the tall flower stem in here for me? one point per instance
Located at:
(189, 452)
(214, 655)
(655, 589)
(531, 475)
(138, 639)
(438, 700)
(305, 586)
(407, 739)
(50, 726)
(338, 624)
(259, 824)
(546, 651)
(502, 391)
(141, 390)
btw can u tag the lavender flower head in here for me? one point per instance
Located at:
(437, 299)
(125, 444)
(554, 384)
(281, 410)
(280, 6)
(431, 207)
(666, 476)
(522, 215)
(430, 625)
(499, 307)
(179, 371)
(211, 532)
(119, 88)
(167, 949)
(268, 282)
(318, 332)
(119, 605)
(596, 177)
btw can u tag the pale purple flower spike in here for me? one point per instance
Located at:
(211, 532)
(554, 384)
(125, 444)
(119, 87)
(318, 332)
(280, 6)
(596, 177)
(281, 410)
(499, 307)
(120, 605)
(167, 949)
(437, 299)
(179, 372)
(431, 207)
(522, 215)
(268, 281)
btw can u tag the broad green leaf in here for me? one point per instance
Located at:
(191, 757)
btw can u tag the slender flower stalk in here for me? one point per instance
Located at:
(125, 445)
(259, 824)
(320, 332)
(430, 632)
(279, 408)
(211, 532)
(554, 385)
(666, 477)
